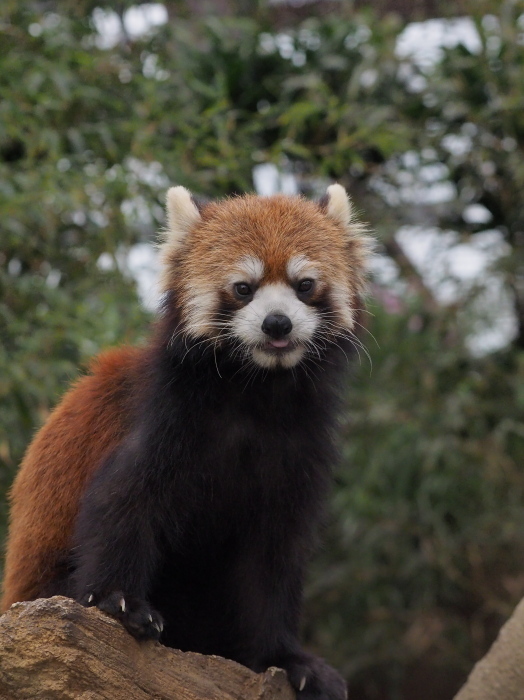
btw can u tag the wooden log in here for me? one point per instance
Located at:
(55, 649)
(500, 674)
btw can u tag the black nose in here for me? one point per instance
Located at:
(277, 326)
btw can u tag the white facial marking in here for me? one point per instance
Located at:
(250, 269)
(300, 266)
(276, 298)
(340, 297)
(201, 305)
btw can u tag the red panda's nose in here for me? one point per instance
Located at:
(277, 326)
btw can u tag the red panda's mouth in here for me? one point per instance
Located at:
(283, 353)
(279, 347)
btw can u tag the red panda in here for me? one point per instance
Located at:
(178, 486)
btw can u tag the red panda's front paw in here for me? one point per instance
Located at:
(137, 616)
(313, 679)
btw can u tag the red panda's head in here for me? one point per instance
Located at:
(272, 278)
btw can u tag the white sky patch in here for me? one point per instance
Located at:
(423, 41)
(137, 21)
(106, 262)
(383, 269)
(452, 269)
(140, 19)
(457, 144)
(151, 174)
(495, 323)
(137, 212)
(422, 186)
(109, 28)
(285, 45)
(476, 214)
(141, 263)
(268, 180)
(415, 179)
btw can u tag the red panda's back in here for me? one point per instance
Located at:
(89, 421)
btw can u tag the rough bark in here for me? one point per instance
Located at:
(55, 649)
(500, 674)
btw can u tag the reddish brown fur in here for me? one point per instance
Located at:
(295, 226)
(89, 421)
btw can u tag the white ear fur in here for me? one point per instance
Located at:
(182, 215)
(339, 205)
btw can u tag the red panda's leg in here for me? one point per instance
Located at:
(117, 542)
(270, 597)
(312, 678)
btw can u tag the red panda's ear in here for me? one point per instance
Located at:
(182, 215)
(338, 206)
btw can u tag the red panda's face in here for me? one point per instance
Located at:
(273, 279)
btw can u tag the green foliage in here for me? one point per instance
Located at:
(422, 557)
(60, 197)
(479, 134)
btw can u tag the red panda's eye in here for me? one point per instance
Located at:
(305, 286)
(243, 290)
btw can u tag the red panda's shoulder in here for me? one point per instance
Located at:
(116, 362)
(87, 423)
